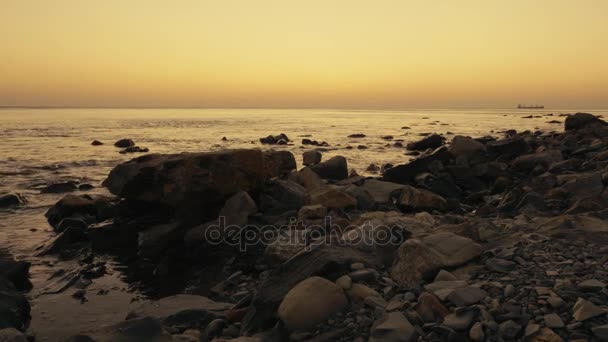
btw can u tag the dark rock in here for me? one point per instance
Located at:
(406, 173)
(420, 200)
(124, 143)
(62, 241)
(580, 120)
(333, 168)
(14, 309)
(500, 265)
(393, 327)
(11, 200)
(357, 135)
(96, 143)
(85, 187)
(280, 139)
(282, 196)
(311, 158)
(432, 141)
(16, 272)
(509, 147)
(59, 188)
(135, 149)
(97, 206)
(530, 161)
(140, 329)
(191, 181)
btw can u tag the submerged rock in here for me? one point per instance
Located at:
(333, 168)
(311, 158)
(59, 188)
(580, 120)
(393, 327)
(11, 200)
(124, 143)
(97, 206)
(432, 141)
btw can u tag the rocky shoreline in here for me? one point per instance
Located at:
(478, 240)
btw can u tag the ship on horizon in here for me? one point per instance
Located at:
(521, 106)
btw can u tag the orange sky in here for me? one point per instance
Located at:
(313, 53)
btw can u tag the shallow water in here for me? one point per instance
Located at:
(40, 147)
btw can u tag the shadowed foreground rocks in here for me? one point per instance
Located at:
(501, 238)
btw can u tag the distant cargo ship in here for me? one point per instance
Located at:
(520, 106)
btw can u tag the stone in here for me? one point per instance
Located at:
(581, 120)
(601, 332)
(358, 292)
(528, 162)
(415, 259)
(393, 327)
(282, 196)
(466, 147)
(153, 241)
(14, 308)
(345, 282)
(553, 321)
(444, 275)
(97, 206)
(334, 168)
(430, 309)
(135, 149)
(420, 200)
(591, 285)
(289, 243)
(123, 143)
(460, 321)
(333, 198)
(12, 335)
(58, 188)
(406, 173)
(311, 302)
(509, 329)
(11, 200)
(308, 179)
(238, 208)
(509, 147)
(191, 181)
(432, 141)
(467, 296)
(311, 157)
(62, 241)
(500, 265)
(584, 310)
(381, 192)
(476, 333)
(584, 185)
(139, 329)
(375, 302)
(96, 143)
(546, 335)
(309, 212)
(531, 329)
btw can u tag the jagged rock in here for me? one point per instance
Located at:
(546, 335)
(135, 149)
(432, 141)
(311, 158)
(467, 296)
(238, 208)
(393, 327)
(10, 200)
(420, 200)
(417, 259)
(584, 310)
(381, 192)
(16, 272)
(580, 120)
(466, 147)
(310, 302)
(333, 168)
(406, 173)
(123, 143)
(191, 181)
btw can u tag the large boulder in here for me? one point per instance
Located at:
(196, 180)
(466, 147)
(282, 196)
(333, 168)
(432, 141)
(381, 192)
(420, 200)
(580, 120)
(311, 302)
(311, 157)
(15, 271)
(417, 259)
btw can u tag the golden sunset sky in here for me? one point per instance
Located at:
(304, 53)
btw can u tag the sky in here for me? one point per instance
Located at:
(304, 53)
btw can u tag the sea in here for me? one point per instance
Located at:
(39, 147)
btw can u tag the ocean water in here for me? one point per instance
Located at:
(44, 146)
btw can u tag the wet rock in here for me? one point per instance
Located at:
(280, 139)
(584, 310)
(334, 168)
(311, 158)
(85, 187)
(140, 329)
(135, 149)
(124, 143)
(97, 206)
(420, 200)
(406, 173)
(581, 120)
(62, 241)
(59, 188)
(416, 259)
(432, 141)
(11, 200)
(393, 327)
(96, 143)
(357, 135)
(191, 181)
(311, 302)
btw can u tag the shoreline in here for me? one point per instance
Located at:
(499, 200)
